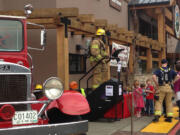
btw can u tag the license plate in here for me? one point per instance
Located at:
(25, 117)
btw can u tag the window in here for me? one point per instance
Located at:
(155, 54)
(155, 65)
(11, 35)
(147, 29)
(142, 66)
(142, 51)
(77, 64)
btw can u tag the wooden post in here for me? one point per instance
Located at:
(109, 70)
(131, 59)
(161, 34)
(149, 60)
(62, 57)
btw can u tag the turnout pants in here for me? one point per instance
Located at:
(165, 93)
(99, 74)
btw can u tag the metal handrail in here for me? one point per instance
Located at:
(90, 71)
(93, 68)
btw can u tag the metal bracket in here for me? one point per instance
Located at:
(66, 22)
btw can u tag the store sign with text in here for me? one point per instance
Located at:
(116, 4)
(124, 55)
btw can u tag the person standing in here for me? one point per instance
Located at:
(138, 98)
(163, 78)
(98, 52)
(149, 98)
(143, 87)
(177, 87)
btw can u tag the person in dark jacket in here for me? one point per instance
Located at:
(177, 87)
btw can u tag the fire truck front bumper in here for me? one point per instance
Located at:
(49, 129)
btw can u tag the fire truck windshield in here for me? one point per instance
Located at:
(11, 35)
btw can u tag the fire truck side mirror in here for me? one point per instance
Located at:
(43, 37)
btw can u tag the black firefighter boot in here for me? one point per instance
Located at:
(156, 119)
(168, 119)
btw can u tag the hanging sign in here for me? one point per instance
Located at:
(177, 22)
(124, 55)
(116, 4)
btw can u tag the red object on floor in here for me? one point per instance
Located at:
(127, 103)
(175, 130)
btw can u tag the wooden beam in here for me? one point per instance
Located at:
(45, 12)
(169, 30)
(101, 23)
(131, 59)
(149, 60)
(151, 13)
(75, 24)
(88, 28)
(168, 14)
(143, 57)
(172, 2)
(108, 73)
(112, 27)
(161, 33)
(155, 59)
(160, 57)
(47, 26)
(149, 6)
(42, 21)
(158, 10)
(62, 57)
(86, 18)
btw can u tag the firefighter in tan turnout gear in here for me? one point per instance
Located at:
(97, 52)
(163, 78)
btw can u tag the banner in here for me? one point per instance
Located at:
(124, 55)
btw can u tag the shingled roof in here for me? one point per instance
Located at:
(147, 2)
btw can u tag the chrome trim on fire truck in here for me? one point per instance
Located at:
(7, 68)
(25, 102)
(15, 17)
(15, 73)
(49, 129)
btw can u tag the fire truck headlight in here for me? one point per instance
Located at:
(53, 88)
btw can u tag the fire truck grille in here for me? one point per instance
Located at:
(13, 88)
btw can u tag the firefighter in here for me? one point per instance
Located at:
(74, 86)
(163, 79)
(97, 52)
(38, 91)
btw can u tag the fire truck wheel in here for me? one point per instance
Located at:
(56, 116)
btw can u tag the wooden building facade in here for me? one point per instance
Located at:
(156, 20)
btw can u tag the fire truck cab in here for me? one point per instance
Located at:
(19, 114)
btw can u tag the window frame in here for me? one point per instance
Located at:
(84, 64)
(17, 20)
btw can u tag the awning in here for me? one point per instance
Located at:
(148, 2)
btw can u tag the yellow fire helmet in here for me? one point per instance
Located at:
(38, 87)
(100, 32)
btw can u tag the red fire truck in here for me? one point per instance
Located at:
(56, 113)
